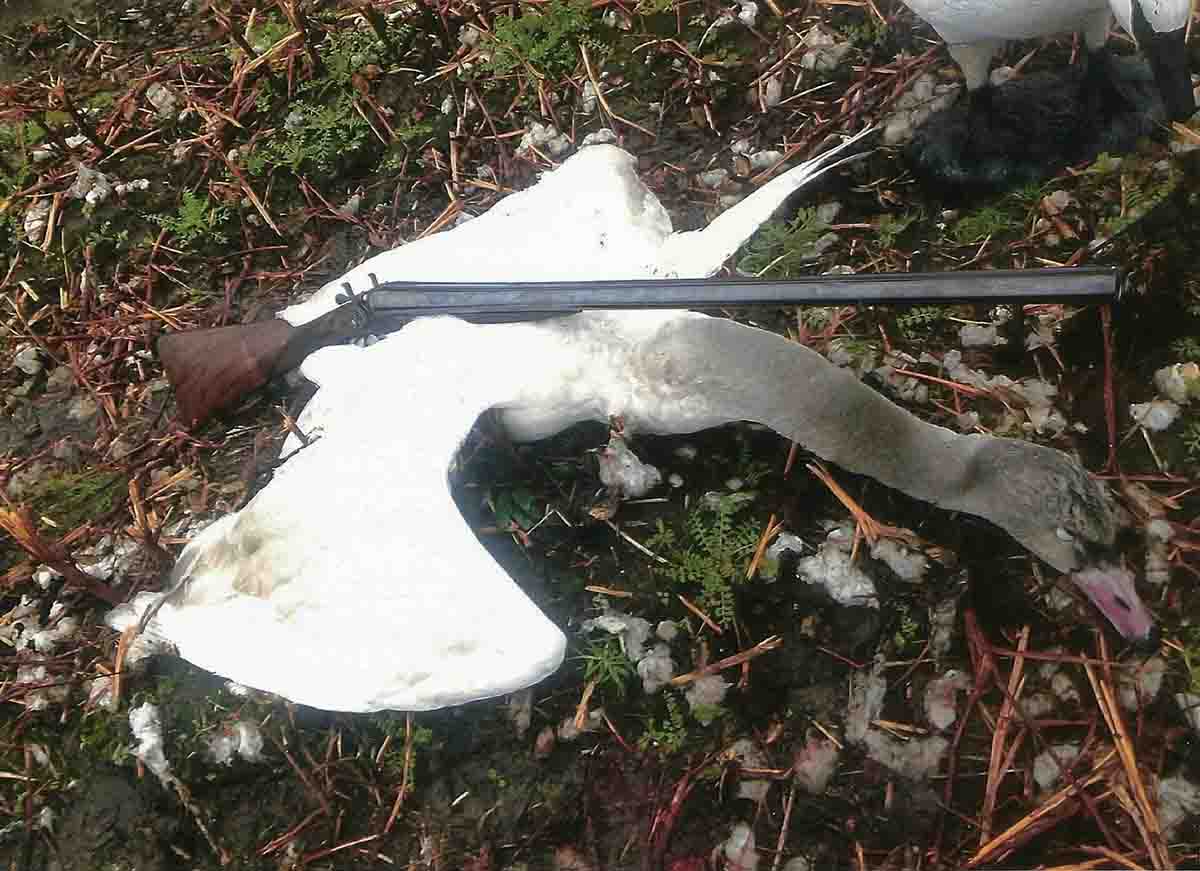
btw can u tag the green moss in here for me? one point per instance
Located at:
(708, 714)
(102, 100)
(70, 500)
(870, 32)
(267, 30)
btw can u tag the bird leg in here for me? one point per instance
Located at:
(979, 115)
(975, 61)
(1101, 90)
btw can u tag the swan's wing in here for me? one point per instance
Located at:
(351, 582)
(588, 220)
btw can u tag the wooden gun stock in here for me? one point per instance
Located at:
(214, 368)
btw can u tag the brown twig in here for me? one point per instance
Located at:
(1145, 815)
(759, 649)
(997, 761)
(404, 780)
(18, 522)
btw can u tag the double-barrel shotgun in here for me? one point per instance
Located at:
(210, 369)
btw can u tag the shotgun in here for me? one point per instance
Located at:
(210, 369)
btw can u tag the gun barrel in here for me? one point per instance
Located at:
(413, 299)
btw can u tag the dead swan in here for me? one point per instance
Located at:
(351, 582)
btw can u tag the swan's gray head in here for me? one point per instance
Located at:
(1045, 500)
(1049, 503)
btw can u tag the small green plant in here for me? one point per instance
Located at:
(545, 41)
(907, 633)
(778, 248)
(654, 7)
(1187, 348)
(267, 31)
(870, 33)
(606, 663)
(856, 347)
(16, 172)
(198, 221)
(984, 222)
(316, 138)
(514, 507)
(108, 236)
(817, 317)
(1191, 440)
(16, 137)
(714, 556)
(102, 740)
(1190, 636)
(892, 227)
(322, 131)
(706, 715)
(1143, 188)
(919, 320)
(669, 734)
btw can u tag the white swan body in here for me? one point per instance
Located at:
(351, 582)
(974, 30)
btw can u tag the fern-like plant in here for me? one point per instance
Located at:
(322, 132)
(919, 320)
(545, 41)
(1187, 348)
(987, 221)
(197, 221)
(892, 227)
(778, 247)
(668, 734)
(1191, 440)
(713, 556)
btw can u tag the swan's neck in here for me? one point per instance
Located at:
(742, 373)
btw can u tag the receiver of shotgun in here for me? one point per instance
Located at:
(211, 369)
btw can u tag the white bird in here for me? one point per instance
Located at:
(351, 582)
(974, 30)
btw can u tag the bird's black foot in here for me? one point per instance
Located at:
(1103, 92)
(980, 107)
